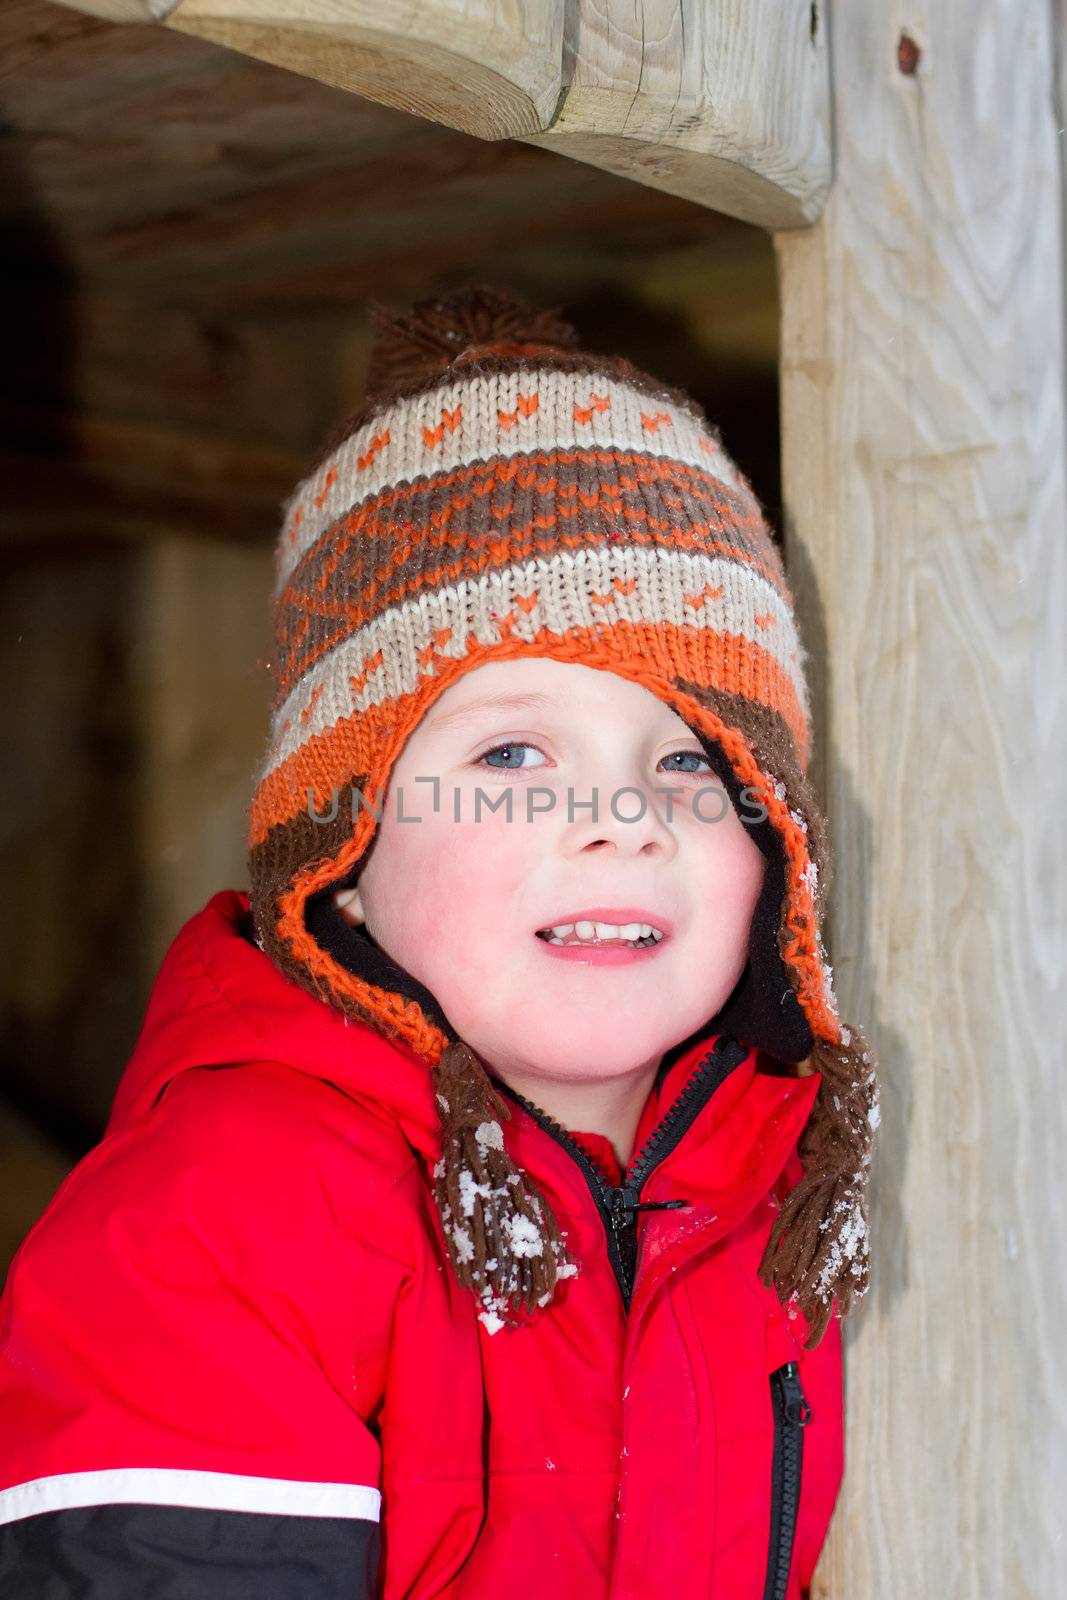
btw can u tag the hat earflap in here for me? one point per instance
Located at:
(818, 1247)
(502, 1237)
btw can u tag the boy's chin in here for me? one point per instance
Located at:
(591, 1054)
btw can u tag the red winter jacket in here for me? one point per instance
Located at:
(235, 1363)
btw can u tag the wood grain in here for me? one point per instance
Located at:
(490, 68)
(725, 104)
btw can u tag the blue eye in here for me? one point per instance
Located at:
(515, 747)
(687, 755)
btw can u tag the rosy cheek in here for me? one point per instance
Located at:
(483, 865)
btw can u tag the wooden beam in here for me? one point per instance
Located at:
(123, 10)
(922, 389)
(726, 105)
(485, 67)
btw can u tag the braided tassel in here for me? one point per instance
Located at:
(503, 1240)
(818, 1247)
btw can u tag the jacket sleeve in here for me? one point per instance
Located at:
(187, 1381)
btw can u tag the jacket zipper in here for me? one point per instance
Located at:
(792, 1413)
(618, 1206)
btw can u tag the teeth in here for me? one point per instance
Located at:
(601, 932)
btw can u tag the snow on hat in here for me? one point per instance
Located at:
(505, 493)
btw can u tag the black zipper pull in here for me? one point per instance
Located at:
(625, 1199)
(795, 1406)
(621, 1202)
(623, 1205)
(624, 1229)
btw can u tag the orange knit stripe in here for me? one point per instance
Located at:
(745, 668)
(799, 939)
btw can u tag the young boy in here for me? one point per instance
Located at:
(474, 1210)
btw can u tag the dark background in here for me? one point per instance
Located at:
(189, 240)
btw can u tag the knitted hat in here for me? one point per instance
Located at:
(505, 493)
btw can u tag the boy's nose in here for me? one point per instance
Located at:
(628, 814)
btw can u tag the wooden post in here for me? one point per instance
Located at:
(922, 388)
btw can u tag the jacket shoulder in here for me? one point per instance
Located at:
(292, 1114)
(296, 1143)
(276, 1176)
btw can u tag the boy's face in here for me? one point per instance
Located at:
(458, 898)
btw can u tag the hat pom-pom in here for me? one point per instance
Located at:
(412, 347)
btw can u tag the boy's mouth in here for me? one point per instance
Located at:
(637, 933)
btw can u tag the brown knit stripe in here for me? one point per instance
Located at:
(325, 760)
(651, 495)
